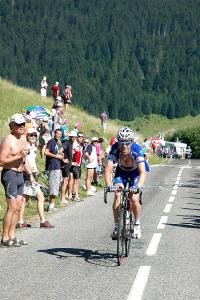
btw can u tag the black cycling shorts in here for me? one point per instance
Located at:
(76, 171)
(65, 171)
(13, 183)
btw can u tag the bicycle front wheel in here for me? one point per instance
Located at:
(121, 239)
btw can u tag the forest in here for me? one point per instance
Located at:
(128, 57)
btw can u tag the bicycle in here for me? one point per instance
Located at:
(126, 229)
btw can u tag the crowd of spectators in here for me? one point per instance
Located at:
(65, 151)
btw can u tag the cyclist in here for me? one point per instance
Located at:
(132, 167)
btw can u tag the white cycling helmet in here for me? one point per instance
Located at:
(125, 134)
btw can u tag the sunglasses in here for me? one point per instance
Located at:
(124, 143)
(20, 125)
(33, 135)
(81, 136)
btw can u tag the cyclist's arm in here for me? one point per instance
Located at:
(142, 174)
(108, 170)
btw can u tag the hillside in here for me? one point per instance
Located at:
(126, 57)
(14, 98)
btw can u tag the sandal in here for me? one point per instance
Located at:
(21, 242)
(9, 243)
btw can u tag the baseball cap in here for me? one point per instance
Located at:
(18, 119)
(95, 139)
(45, 118)
(57, 83)
(33, 115)
(65, 121)
(32, 130)
(73, 133)
(77, 125)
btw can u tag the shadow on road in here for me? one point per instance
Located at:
(192, 221)
(97, 257)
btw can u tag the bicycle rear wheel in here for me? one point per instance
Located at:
(129, 231)
(121, 239)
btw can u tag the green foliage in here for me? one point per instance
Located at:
(126, 57)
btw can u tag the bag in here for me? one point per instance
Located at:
(30, 189)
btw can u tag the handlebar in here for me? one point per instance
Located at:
(137, 190)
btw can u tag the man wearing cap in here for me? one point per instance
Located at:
(13, 160)
(91, 164)
(53, 165)
(66, 165)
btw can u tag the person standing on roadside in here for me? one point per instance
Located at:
(13, 160)
(53, 165)
(44, 86)
(55, 91)
(104, 119)
(31, 159)
(91, 164)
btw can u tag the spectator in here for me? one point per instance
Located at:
(91, 163)
(55, 90)
(112, 141)
(44, 86)
(104, 118)
(77, 127)
(67, 96)
(66, 165)
(44, 135)
(13, 160)
(64, 130)
(31, 160)
(53, 165)
(97, 171)
(75, 170)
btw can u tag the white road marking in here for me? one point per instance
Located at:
(167, 208)
(171, 199)
(177, 182)
(179, 177)
(175, 187)
(174, 192)
(139, 283)
(163, 221)
(153, 244)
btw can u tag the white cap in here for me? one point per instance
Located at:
(95, 139)
(33, 115)
(18, 119)
(57, 83)
(32, 130)
(73, 133)
(45, 118)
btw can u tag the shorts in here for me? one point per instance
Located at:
(67, 101)
(54, 182)
(76, 171)
(13, 183)
(65, 171)
(124, 177)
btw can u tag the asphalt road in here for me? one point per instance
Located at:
(76, 259)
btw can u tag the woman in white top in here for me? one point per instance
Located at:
(43, 85)
(31, 160)
(91, 164)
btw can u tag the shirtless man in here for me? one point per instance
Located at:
(13, 160)
(132, 167)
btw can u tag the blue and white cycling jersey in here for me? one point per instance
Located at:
(122, 173)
